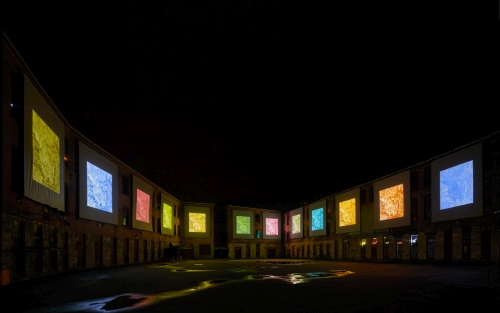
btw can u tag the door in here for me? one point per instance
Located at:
(271, 253)
(237, 252)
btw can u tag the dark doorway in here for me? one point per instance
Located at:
(485, 243)
(374, 248)
(271, 253)
(80, 255)
(145, 251)
(125, 251)
(448, 241)
(98, 250)
(113, 248)
(466, 243)
(237, 252)
(136, 251)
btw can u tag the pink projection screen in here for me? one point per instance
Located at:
(272, 225)
(392, 201)
(142, 195)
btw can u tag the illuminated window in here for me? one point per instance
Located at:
(257, 234)
(125, 221)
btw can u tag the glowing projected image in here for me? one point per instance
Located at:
(391, 203)
(167, 216)
(45, 155)
(456, 186)
(272, 226)
(296, 224)
(243, 225)
(197, 222)
(99, 188)
(347, 212)
(142, 207)
(317, 219)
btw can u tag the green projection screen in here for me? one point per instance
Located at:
(196, 222)
(347, 210)
(167, 215)
(243, 224)
(297, 219)
(43, 150)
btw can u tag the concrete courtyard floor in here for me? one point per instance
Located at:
(278, 285)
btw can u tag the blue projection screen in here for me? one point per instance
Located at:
(457, 185)
(98, 179)
(317, 218)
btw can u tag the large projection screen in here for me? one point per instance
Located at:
(98, 185)
(142, 197)
(243, 224)
(43, 150)
(392, 201)
(317, 218)
(272, 225)
(196, 222)
(297, 223)
(167, 215)
(457, 185)
(348, 212)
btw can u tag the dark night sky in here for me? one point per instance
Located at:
(259, 102)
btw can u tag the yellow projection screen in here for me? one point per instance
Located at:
(297, 221)
(197, 222)
(347, 210)
(167, 215)
(43, 150)
(392, 201)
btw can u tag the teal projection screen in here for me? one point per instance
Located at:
(457, 185)
(98, 186)
(43, 150)
(317, 218)
(243, 224)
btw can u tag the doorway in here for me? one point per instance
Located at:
(237, 252)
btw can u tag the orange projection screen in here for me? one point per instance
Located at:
(43, 150)
(392, 201)
(347, 210)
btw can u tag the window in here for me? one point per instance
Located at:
(257, 218)
(257, 250)
(414, 180)
(204, 249)
(399, 249)
(175, 230)
(257, 234)
(345, 248)
(308, 250)
(125, 185)
(427, 207)
(327, 250)
(314, 251)
(159, 225)
(362, 196)
(125, 221)
(371, 194)
(414, 209)
(427, 177)
(430, 248)
(413, 247)
(385, 248)
(374, 248)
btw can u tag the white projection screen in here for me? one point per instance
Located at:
(317, 218)
(98, 185)
(297, 223)
(457, 185)
(272, 226)
(243, 224)
(142, 199)
(348, 212)
(43, 150)
(167, 215)
(196, 222)
(392, 201)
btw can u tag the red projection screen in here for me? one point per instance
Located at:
(43, 150)
(392, 201)
(348, 213)
(142, 199)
